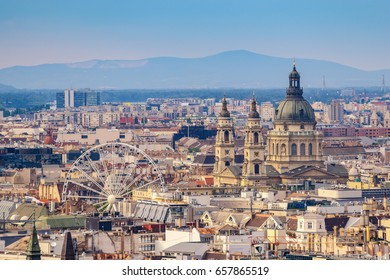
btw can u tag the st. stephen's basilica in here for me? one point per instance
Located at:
(292, 154)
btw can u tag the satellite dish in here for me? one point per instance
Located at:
(53, 244)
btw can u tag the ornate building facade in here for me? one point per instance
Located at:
(293, 146)
(294, 140)
(224, 146)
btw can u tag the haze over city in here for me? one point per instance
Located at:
(348, 32)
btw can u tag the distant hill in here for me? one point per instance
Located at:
(6, 88)
(232, 69)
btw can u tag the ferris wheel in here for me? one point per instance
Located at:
(108, 173)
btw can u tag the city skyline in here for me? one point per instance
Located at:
(349, 33)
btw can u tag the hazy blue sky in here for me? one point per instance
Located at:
(355, 33)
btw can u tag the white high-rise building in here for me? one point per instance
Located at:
(267, 111)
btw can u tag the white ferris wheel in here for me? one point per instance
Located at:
(108, 173)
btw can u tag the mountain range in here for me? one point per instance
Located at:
(231, 69)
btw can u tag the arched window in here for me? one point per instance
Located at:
(226, 136)
(227, 163)
(293, 149)
(256, 138)
(273, 148)
(277, 149)
(310, 152)
(257, 169)
(303, 150)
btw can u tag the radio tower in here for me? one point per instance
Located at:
(383, 84)
(323, 84)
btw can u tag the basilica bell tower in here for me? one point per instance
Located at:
(224, 143)
(254, 150)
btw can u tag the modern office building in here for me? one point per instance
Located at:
(77, 98)
(13, 157)
(92, 98)
(337, 111)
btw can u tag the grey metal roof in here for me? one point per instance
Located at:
(236, 171)
(341, 151)
(271, 171)
(299, 169)
(146, 211)
(139, 210)
(337, 169)
(204, 159)
(6, 207)
(159, 216)
(210, 159)
(152, 213)
(187, 247)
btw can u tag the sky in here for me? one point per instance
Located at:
(354, 33)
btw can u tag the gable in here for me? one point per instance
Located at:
(316, 173)
(308, 172)
(272, 223)
(226, 172)
(206, 217)
(230, 171)
(231, 220)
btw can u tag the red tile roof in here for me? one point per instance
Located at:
(209, 181)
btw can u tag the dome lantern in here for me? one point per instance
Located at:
(294, 108)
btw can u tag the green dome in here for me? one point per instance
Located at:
(294, 109)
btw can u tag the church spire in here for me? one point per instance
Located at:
(224, 113)
(33, 250)
(68, 252)
(253, 113)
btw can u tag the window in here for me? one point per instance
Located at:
(256, 138)
(227, 163)
(84, 136)
(303, 149)
(257, 169)
(310, 152)
(294, 149)
(310, 225)
(226, 136)
(277, 149)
